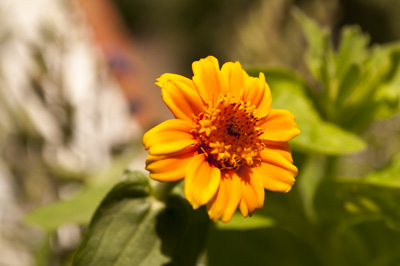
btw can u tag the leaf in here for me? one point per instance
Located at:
(238, 222)
(122, 231)
(131, 227)
(43, 251)
(319, 55)
(376, 94)
(359, 84)
(183, 231)
(375, 196)
(390, 175)
(308, 181)
(268, 246)
(79, 209)
(348, 84)
(370, 243)
(389, 91)
(279, 228)
(352, 49)
(317, 136)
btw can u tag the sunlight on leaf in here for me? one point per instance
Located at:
(240, 223)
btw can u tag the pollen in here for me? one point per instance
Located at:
(228, 132)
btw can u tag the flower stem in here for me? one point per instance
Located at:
(161, 190)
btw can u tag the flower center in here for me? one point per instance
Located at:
(228, 133)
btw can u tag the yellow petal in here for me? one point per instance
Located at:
(176, 147)
(234, 78)
(171, 136)
(174, 77)
(201, 181)
(275, 172)
(181, 99)
(252, 192)
(279, 126)
(280, 147)
(167, 131)
(207, 78)
(168, 168)
(257, 91)
(225, 202)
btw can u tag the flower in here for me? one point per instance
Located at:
(225, 141)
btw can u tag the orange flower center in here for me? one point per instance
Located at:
(229, 133)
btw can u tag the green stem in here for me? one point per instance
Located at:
(331, 167)
(330, 231)
(162, 190)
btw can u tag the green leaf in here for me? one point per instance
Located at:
(268, 246)
(79, 209)
(183, 232)
(352, 49)
(388, 176)
(375, 196)
(359, 84)
(389, 91)
(132, 227)
(347, 84)
(310, 176)
(43, 251)
(317, 136)
(319, 55)
(238, 222)
(371, 243)
(122, 231)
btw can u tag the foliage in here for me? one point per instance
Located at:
(132, 227)
(325, 220)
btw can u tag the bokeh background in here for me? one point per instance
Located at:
(77, 89)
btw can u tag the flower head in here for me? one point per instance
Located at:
(225, 141)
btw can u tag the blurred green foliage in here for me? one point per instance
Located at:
(325, 220)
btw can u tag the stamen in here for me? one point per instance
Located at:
(228, 133)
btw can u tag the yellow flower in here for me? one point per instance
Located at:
(226, 141)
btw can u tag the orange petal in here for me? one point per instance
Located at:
(252, 192)
(257, 91)
(168, 168)
(174, 77)
(201, 181)
(275, 172)
(176, 147)
(234, 78)
(282, 148)
(181, 99)
(169, 137)
(225, 202)
(207, 78)
(279, 126)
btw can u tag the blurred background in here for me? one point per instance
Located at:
(77, 88)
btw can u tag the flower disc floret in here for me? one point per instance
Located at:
(229, 133)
